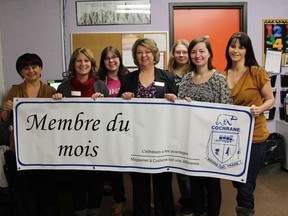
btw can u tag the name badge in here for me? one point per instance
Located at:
(76, 93)
(162, 84)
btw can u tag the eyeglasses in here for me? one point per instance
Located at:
(111, 58)
(181, 52)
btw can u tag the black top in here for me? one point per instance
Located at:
(165, 80)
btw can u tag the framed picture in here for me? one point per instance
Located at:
(113, 12)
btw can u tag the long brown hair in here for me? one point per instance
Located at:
(244, 41)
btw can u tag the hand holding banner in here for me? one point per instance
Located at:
(140, 135)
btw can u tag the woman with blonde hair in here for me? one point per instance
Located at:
(179, 64)
(149, 81)
(87, 186)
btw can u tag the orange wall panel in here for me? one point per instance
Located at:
(218, 24)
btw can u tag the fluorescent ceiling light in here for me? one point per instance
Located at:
(133, 6)
(133, 11)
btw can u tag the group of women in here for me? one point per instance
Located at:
(191, 77)
(243, 82)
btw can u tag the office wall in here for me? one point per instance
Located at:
(257, 10)
(35, 26)
(30, 26)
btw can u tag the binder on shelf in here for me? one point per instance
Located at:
(283, 94)
(281, 113)
(270, 114)
(273, 80)
(284, 80)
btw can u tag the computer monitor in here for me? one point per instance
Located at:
(54, 83)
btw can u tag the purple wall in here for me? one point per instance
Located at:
(30, 26)
(35, 26)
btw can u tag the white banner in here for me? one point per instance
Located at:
(142, 135)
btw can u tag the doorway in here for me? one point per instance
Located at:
(218, 21)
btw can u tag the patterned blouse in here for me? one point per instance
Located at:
(146, 92)
(215, 90)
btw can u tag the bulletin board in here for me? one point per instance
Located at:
(124, 41)
(275, 37)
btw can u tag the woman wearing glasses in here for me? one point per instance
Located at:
(111, 71)
(179, 64)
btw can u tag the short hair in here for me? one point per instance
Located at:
(28, 59)
(88, 53)
(148, 44)
(207, 43)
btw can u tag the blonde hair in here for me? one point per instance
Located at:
(172, 64)
(148, 44)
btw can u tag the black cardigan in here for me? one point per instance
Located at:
(130, 83)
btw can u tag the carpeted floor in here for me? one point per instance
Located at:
(271, 196)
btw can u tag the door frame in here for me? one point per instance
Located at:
(207, 5)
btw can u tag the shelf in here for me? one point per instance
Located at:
(273, 73)
(269, 114)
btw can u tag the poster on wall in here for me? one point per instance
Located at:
(112, 12)
(275, 38)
